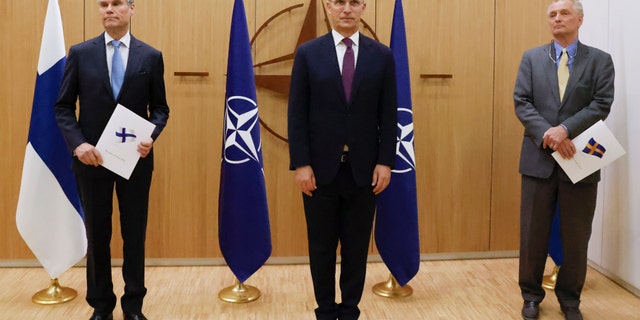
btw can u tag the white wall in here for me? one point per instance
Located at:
(614, 249)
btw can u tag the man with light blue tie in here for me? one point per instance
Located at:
(113, 68)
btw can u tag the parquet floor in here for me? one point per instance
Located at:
(449, 289)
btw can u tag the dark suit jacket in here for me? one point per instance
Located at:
(587, 99)
(321, 121)
(86, 78)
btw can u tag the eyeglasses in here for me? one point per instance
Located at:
(342, 3)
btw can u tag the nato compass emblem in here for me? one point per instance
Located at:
(242, 134)
(405, 153)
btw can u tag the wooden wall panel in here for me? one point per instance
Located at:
(287, 220)
(452, 118)
(183, 209)
(467, 138)
(527, 28)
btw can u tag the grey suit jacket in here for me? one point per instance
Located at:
(587, 99)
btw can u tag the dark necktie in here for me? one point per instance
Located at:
(348, 68)
(117, 69)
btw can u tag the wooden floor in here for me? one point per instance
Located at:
(452, 289)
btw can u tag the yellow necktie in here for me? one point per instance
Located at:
(563, 72)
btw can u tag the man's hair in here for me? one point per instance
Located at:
(577, 6)
(130, 2)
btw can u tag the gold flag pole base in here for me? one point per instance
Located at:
(239, 293)
(55, 294)
(549, 281)
(392, 289)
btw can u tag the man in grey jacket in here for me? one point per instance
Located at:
(562, 88)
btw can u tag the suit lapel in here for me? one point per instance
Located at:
(364, 55)
(577, 68)
(551, 70)
(330, 58)
(133, 61)
(100, 56)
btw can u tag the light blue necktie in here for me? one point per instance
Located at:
(117, 69)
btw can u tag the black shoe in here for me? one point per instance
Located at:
(97, 316)
(134, 316)
(571, 313)
(530, 310)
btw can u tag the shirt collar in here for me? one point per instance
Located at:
(126, 39)
(572, 49)
(337, 37)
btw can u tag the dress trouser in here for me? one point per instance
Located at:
(577, 204)
(339, 212)
(96, 192)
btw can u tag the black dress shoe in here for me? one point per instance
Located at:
(530, 310)
(134, 316)
(97, 316)
(571, 313)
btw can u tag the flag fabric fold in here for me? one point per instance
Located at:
(396, 230)
(243, 217)
(49, 215)
(555, 242)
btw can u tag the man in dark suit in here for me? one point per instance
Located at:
(88, 78)
(550, 121)
(342, 140)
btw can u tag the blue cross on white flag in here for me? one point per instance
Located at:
(49, 216)
(243, 216)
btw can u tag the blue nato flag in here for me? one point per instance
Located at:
(243, 216)
(555, 241)
(396, 231)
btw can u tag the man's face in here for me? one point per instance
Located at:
(345, 15)
(563, 19)
(115, 13)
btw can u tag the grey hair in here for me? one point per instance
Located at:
(577, 6)
(130, 2)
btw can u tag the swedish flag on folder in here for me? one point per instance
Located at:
(594, 156)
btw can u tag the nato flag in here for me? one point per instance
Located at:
(243, 216)
(555, 242)
(396, 231)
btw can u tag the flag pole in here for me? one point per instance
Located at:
(239, 293)
(54, 294)
(549, 281)
(392, 289)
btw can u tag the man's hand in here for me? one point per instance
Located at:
(553, 137)
(381, 178)
(144, 147)
(558, 140)
(566, 149)
(88, 154)
(306, 180)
